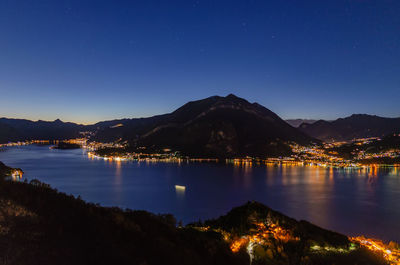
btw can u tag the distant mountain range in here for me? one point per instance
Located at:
(355, 126)
(19, 129)
(215, 126)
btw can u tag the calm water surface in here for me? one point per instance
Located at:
(353, 202)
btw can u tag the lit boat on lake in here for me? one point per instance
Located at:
(179, 187)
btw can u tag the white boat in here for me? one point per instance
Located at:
(179, 187)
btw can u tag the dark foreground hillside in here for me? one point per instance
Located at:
(39, 225)
(4, 170)
(270, 237)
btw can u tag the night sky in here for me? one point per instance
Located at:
(86, 61)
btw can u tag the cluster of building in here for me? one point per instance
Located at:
(319, 156)
(363, 155)
(17, 174)
(148, 157)
(93, 146)
(132, 156)
(391, 251)
(323, 155)
(78, 141)
(262, 235)
(28, 142)
(393, 153)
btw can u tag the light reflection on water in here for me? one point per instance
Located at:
(355, 201)
(180, 192)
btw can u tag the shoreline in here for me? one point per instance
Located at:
(171, 157)
(239, 161)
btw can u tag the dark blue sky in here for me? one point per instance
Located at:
(86, 61)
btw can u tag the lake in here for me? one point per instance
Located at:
(353, 202)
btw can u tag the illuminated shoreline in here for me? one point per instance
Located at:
(313, 156)
(235, 161)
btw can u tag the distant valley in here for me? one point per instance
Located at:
(297, 122)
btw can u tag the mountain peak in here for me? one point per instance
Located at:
(361, 115)
(233, 99)
(232, 96)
